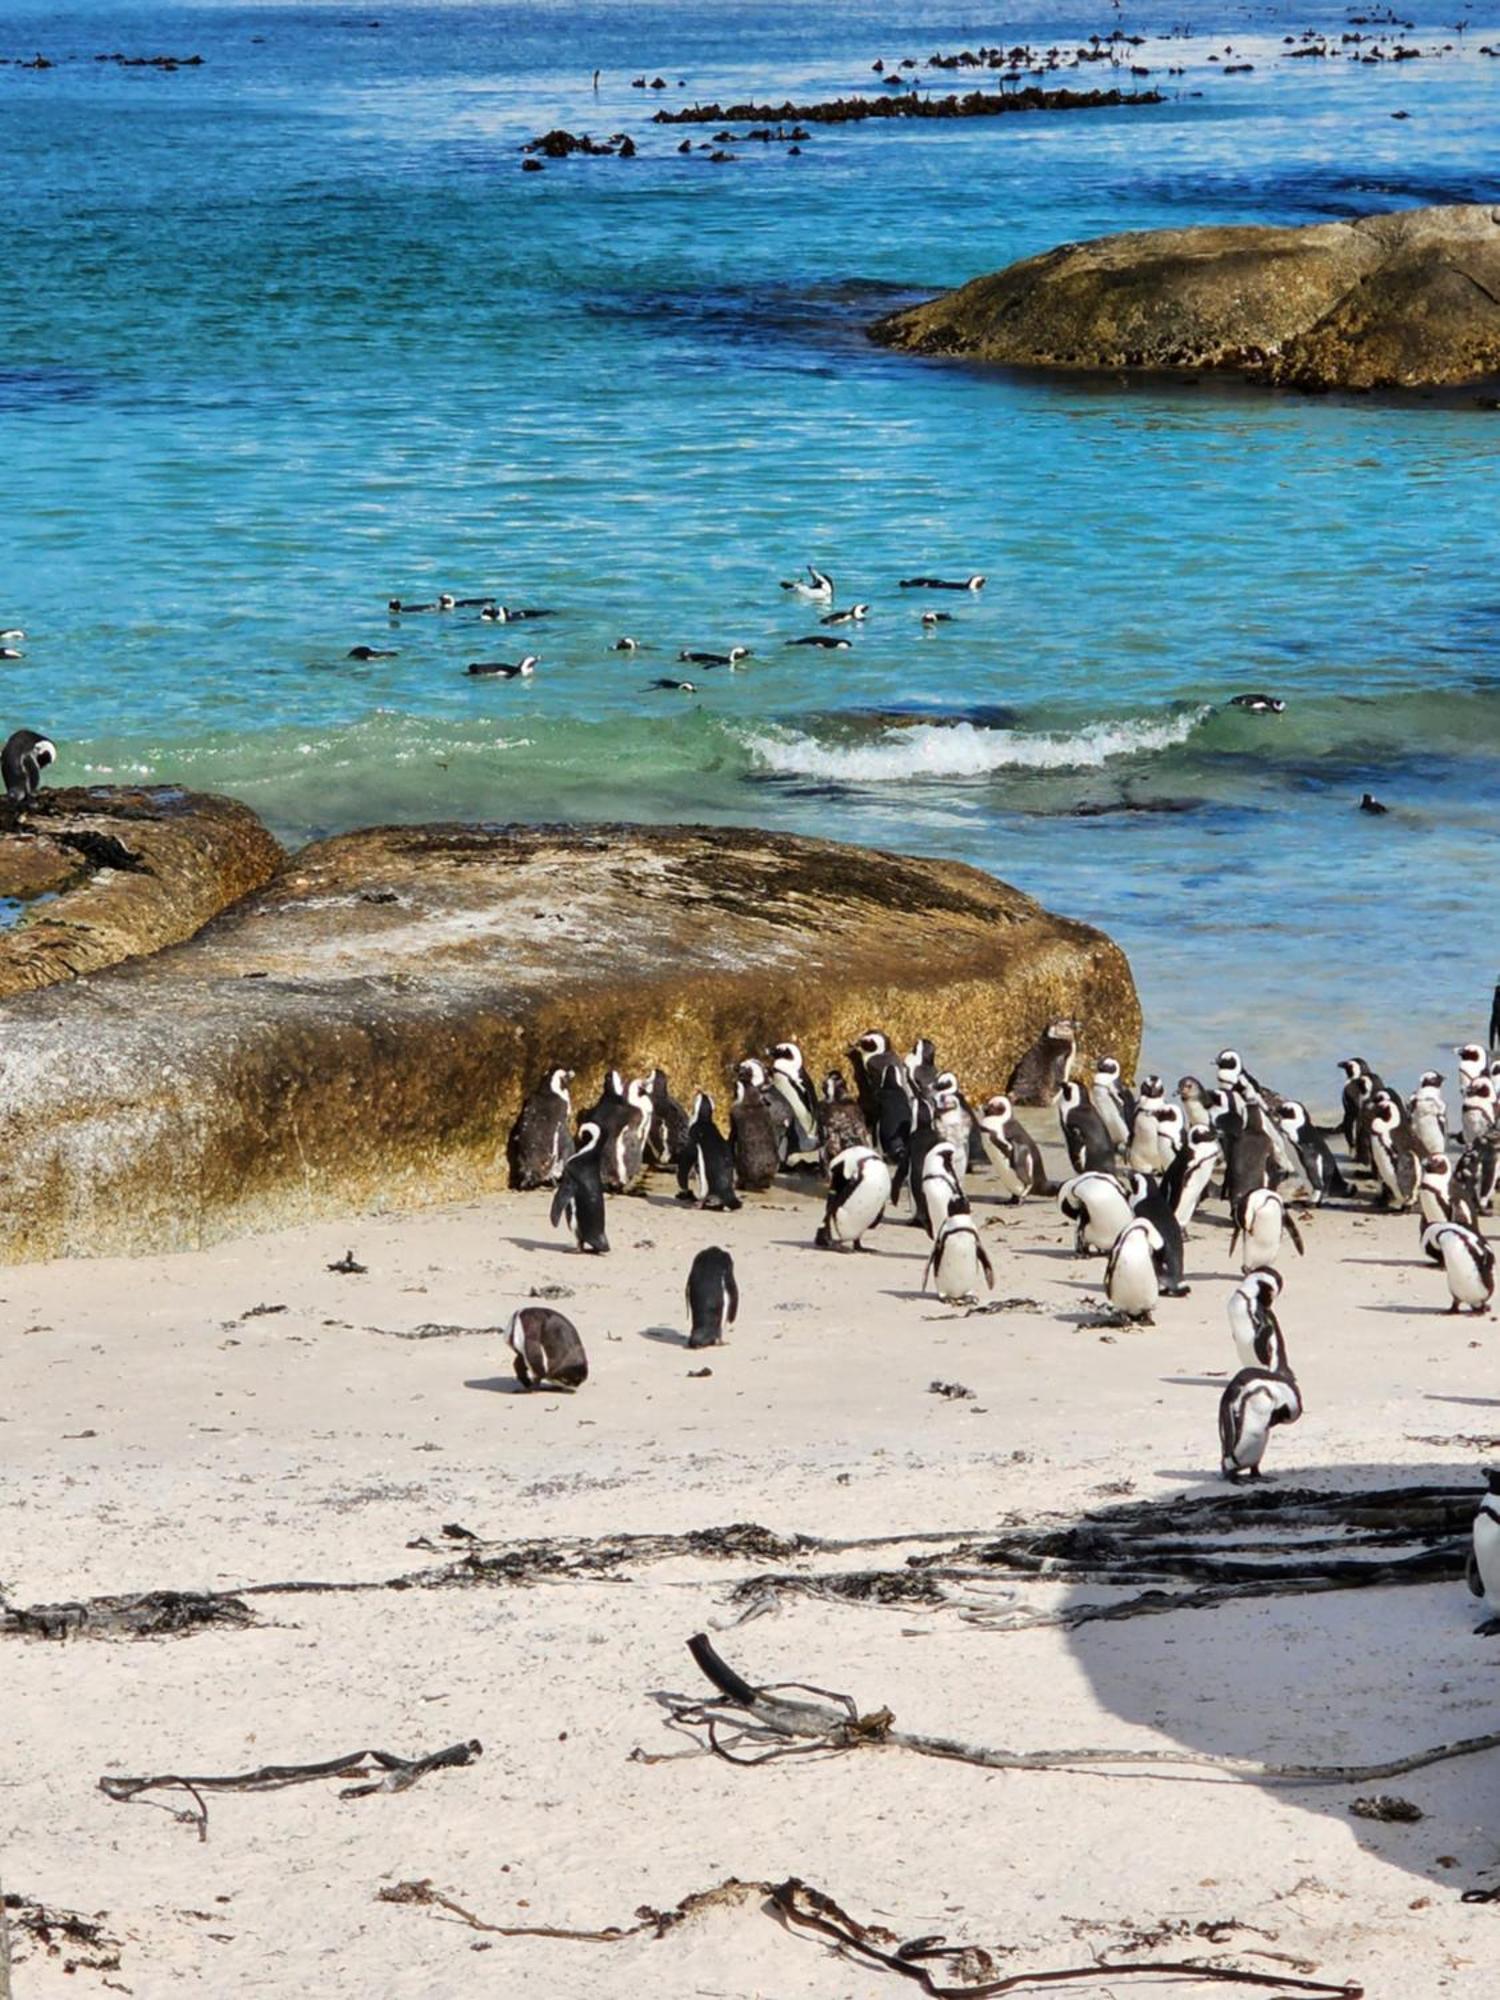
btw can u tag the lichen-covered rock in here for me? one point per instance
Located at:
(1405, 300)
(361, 1033)
(109, 874)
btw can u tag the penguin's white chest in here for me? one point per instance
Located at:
(1465, 1280)
(939, 1192)
(1487, 1555)
(1132, 1283)
(1000, 1159)
(1242, 1327)
(1194, 1187)
(958, 1266)
(862, 1207)
(1255, 1414)
(1108, 1212)
(1262, 1244)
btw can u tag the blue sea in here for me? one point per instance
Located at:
(289, 332)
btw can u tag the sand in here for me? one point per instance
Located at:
(156, 1430)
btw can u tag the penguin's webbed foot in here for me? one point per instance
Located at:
(1490, 1629)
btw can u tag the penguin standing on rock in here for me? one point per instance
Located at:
(1131, 1282)
(22, 761)
(1256, 1400)
(539, 1140)
(1484, 1561)
(580, 1192)
(957, 1258)
(549, 1353)
(713, 1296)
(1468, 1264)
(705, 1167)
(859, 1190)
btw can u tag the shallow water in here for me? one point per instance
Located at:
(293, 333)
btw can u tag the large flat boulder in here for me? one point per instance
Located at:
(1409, 300)
(360, 1034)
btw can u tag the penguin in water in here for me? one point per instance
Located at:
(841, 1123)
(1131, 1281)
(752, 1134)
(791, 1082)
(669, 686)
(580, 1192)
(1148, 1199)
(1046, 1066)
(854, 615)
(1484, 1561)
(827, 641)
(957, 1258)
(372, 653)
(1259, 704)
(504, 670)
(1468, 1265)
(25, 756)
(974, 583)
(713, 1296)
(858, 1193)
(1319, 1168)
(691, 658)
(817, 590)
(1260, 1220)
(1256, 1400)
(1100, 1208)
(539, 1140)
(705, 1167)
(1084, 1132)
(1011, 1150)
(1253, 1324)
(666, 1134)
(549, 1353)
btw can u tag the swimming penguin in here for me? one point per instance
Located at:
(790, 1080)
(1256, 1400)
(580, 1192)
(713, 1296)
(1260, 1220)
(730, 659)
(1258, 704)
(12, 632)
(513, 614)
(1099, 1206)
(824, 639)
(705, 1167)
(1253, 1324)
(372, 653)
(539, 1140)
(752, 1134)
(1190, 1175)
(505, 670)
(1368, 803)
(858, 1192)
(1130, 1277)
(1010, 1149)
(667, 685)
(939, 1187)
(1484, 1562)
(1148, 1199)
(1391, 1152)
(398, 608)
(1114, 1101)
(817, 590)
(625, 646)
(957, 1258)
(548, 1351)
(1318, 1167)
(942, 583)
(1083, 1132)
(1428, 1110)
(931, 619)
(25, 756)
(1468, 1264)
(1046, 1066)
(841, 1123)
(855, 615)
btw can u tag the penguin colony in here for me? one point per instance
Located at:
(895, 1136)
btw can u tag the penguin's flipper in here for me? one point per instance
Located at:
(1234, 1236)
(562, 1201)
(732, 1294)
(1472, 1577)
(929, 1269)
(985, 1265)
(1289, 1223)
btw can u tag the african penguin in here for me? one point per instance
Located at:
(1479, 1106)
(548, 1351)
(1084, 1133)
(1114, 1101)
(713, 1296)
(841, 1123)
(1260, 1220)
(1046, 1066)
(859, 1189)
(1010, 1150)
(1468, 1265)
(705, 1167)
(1130, 1278)
(1391, 1152)
(539, 1140)
(817, 590)
(1428, 1110)
(957, 1258)
(1255, 1401)
(939, 1188)
(789, 1078)
(25, 756)
(1253, 1324)
(666, 1135)
(1148, 1199)
(752, 1134)
(1484, 1565)
(580, 1192)
(1318, 1167)
(504, 670)
(1191, 1173)
(1099, 1206)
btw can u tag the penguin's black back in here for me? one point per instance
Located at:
(713, 1296)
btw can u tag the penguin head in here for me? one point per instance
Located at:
(976, 583)
(1432, 1079)
(558, 1081)
(393, 604)
(1354, 1066)
(1151, 1088)
(1190, 1090)
(703, 1106)
(947, 1082)
(613, 1085)
(1230, 1068)
(835, 1089)
(786, 1059)
(1262, 1288)
(1492, 1478)
(1436, 1169)
(1070, 1096)
(738, 653)
(45, 751)
(872, 1043)
(923, 1051)
(998, 1106)
(639, 1094)
(1107, 1069)
(751, 1073)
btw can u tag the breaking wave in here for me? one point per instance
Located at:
(960, 750)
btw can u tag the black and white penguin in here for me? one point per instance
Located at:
(826, 640)
(1046, 1066)
(872, 1055)
(1151, 1149)
(752, 1135)
(1259, 704)
(549, 1353)
(631, 1148)
(1114, 1101)
(791, 1082)
(1368, 803)
(1318, 1167)
(610, 1116)
(1253, 1324)
(1256, 1400)
(1171, 1133)
(1099, 1207)
(666, 1134)
(932, 619)
(705, 1168)
(580, 1192)
(1083, 1132)
(13, 632)
(540, 1140)
(1191, 1174)
(1480, 1104)
(841, 1123)
(732, 658)
(939, 1187)
(1476, 1175)
(504, 670)
(854, 615)
(922, 1066)
(713, 1296)
(25, 756)
(1494, 1030)
(1468, 1264)
(1428, 1110)
(942, 583)
(1195, 1109)
(1260, 1221)
(957, 1258)
(1131, 1281)
(817, 590)
(953, 1118)
(1473, 1063)
(626, 645)
(859, 1191)
(1010, 1149)
(667, 685)
(399, 608)
(372, 653)
(1148, 1199)
(1392, 1154)
(1484, 1563)
(1360, 1082)
(514, 614)
(896, 1117)
(1252, 1161)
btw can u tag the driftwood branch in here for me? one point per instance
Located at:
(832, 1722)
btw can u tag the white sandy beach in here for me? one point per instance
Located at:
(158, 1432)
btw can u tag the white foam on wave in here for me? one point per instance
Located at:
(959, 750)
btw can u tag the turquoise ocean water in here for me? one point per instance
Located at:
(290, 332)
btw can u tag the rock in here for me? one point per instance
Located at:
(1406, 300)
(361, 1033)
(124, 871)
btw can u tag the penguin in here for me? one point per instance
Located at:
(1318, 1167)
(1260, 1219)
(1368, 803)
(1494, 1034)
(1188, 1178)
(1484, 1563)
(957, 1258)
(1148, 1200)
(731, 659)
(1171, 1133)
(974, 583)
(1259, 704)
(705, 1167)
(1252, 1160)
(841, 1123)
(372, 653)
(580, 1192)
(666, 1134)
(1146, 1154)
(939, 1187)
(791, 1082)
(1477, 1173)
(513, 614)
(11, 653)
(667, 685)
(25, 756)
(631, 1146)
(1428, 1110)
(13, 632)
(953, 1119)
(1011, 1150)
(1190, 1095)
(752, 1072)
(1468, 1264)
(825, 640)
(1237, 1080)
(1479, 1108)
(1359, 1082)
(610, 1117)
(932, 619)
(1046, 1066)
(1084, 1133)
(1225, 1120)
(1099, 1206)
(896, 1116)
(548, 1351)
(907, 1171)
(626, 645)
(1391, 1153)
(398, 608)
(713, 1296)
(1473, 1063)
(859, 1190)
(1444, 1195)
(504, 670)
(922, 1069)
(752, 1135)
(539, 1140)
(1256, 1400)
(854, 615)
(1114, 1101)
(872, 1055)
(817, 590)
(1130, 1277)
(1253, 1324)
